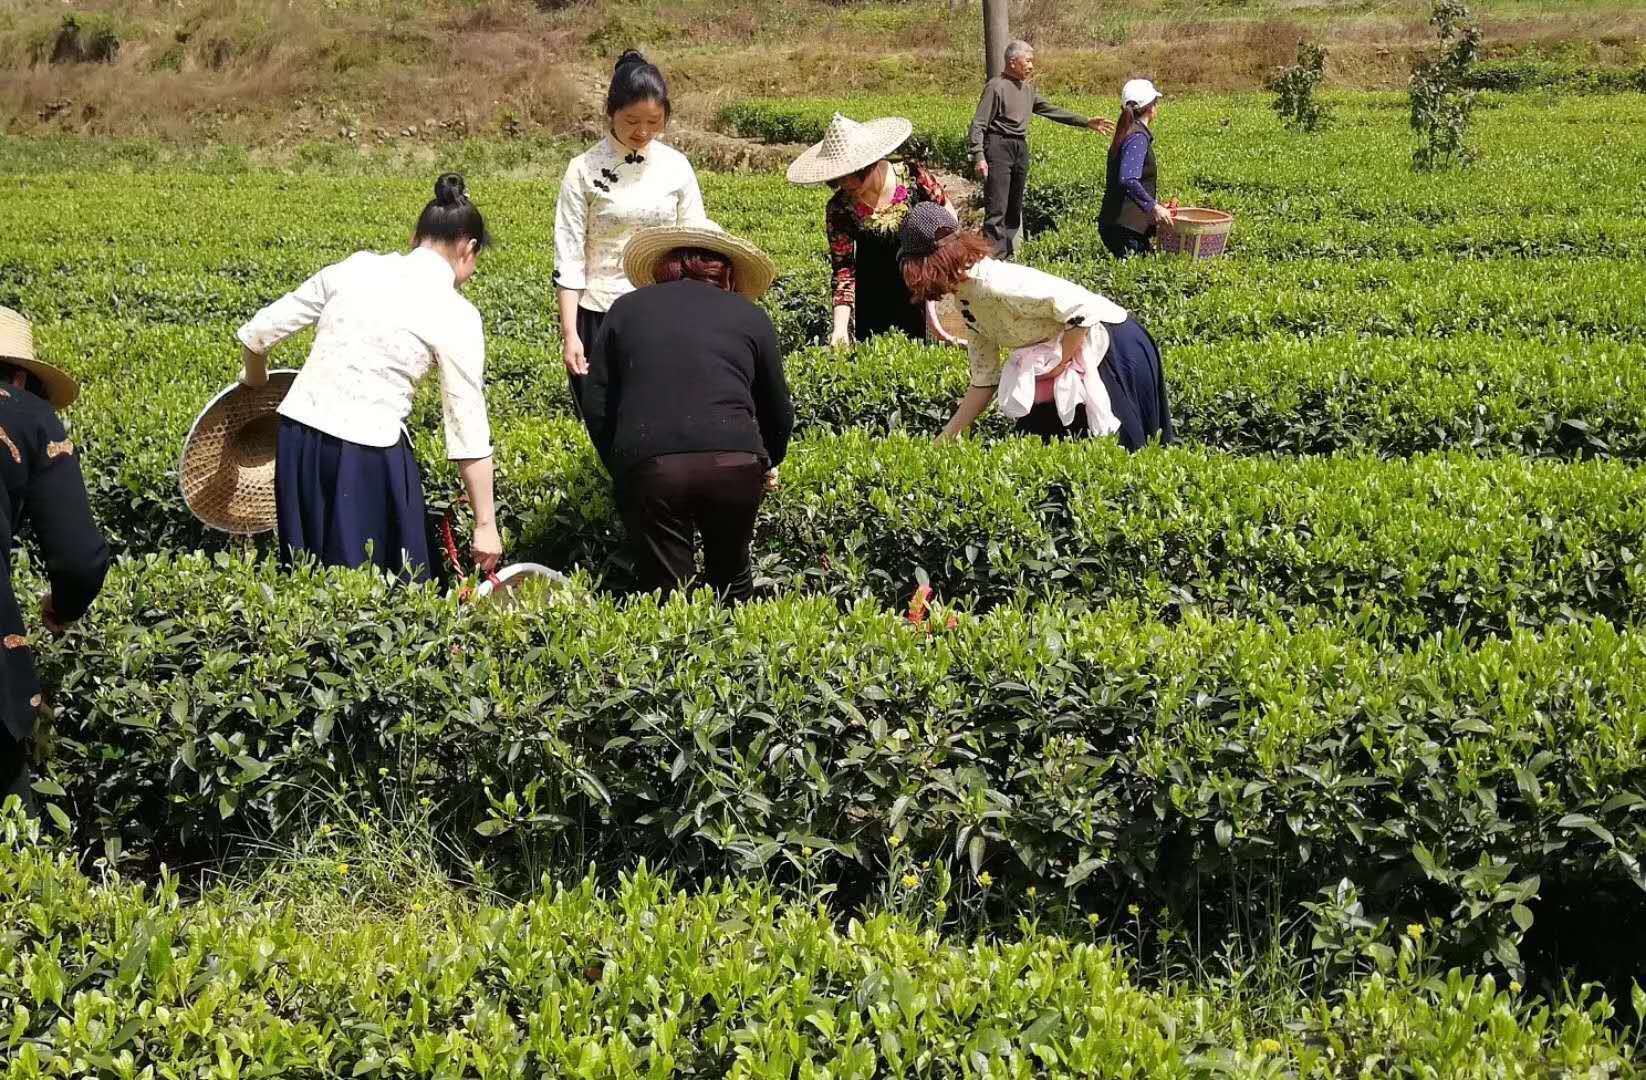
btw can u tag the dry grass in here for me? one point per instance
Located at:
(261, 71)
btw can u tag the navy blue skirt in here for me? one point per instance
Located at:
(350, 505)
(1132, 374)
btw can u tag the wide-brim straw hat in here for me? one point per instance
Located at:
(848, 146)
(17, 347)
(752, 269)
(227, 470)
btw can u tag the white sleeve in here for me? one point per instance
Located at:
(691, 199)
(286, 316)
(463, 390)
(571, 217)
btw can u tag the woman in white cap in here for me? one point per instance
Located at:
(1103, 373)
(347, 487)
(627, 181)
(1131, 211)
(42, 490)
(872, 195)
(687, 404)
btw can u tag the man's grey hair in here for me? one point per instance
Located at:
(1017, 49)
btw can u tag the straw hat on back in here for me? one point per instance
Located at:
(848, 146)
(227, 471)
(17, 347)
(752, 269)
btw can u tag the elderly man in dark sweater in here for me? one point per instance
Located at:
(999, 142)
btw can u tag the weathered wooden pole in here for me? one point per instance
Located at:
(997, 34)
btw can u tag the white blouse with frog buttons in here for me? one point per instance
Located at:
(608, 193)
(383, 321)
(1008, 305)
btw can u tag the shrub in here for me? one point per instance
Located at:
(1107, 754)
(641, 980)
(1294, 89)
(1441, 103)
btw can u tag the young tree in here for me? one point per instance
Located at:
(1442, 102)
(1294, 88)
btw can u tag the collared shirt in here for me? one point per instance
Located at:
(1004, 109)
(383, 320)
(1009, 305)
(608, 193)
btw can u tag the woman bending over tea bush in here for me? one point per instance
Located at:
(1080, 364)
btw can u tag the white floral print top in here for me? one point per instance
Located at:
(1008, 305)
(608, 193)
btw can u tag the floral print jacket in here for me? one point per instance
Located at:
(846, 219)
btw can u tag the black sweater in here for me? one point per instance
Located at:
(685, 367)
(41, 485)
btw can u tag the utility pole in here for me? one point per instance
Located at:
(997, 34)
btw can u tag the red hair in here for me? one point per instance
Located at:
(935, 276)
(696, 264)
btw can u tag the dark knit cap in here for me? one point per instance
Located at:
(926, 226)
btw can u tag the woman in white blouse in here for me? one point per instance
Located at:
(1080, 364)
(627, 181)
(347, 487)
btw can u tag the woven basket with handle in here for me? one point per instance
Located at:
(1197, 232)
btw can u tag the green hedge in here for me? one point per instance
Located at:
(1108, 754)
(117, 979)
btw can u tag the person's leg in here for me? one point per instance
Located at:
(728, 492)
(14, 770)
(408, 526)
(588, 326)
(997, 187)
(652, 500)
(1014, 196)
(1043, 421)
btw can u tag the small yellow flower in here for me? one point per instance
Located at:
(1094, 918)
(984, 879)
(342, 869)
(1514, 986)
(1414, 931)
(806, 853)
(910, 881)
(1268, 1046)
(1033, 892)
(1133, 910)
(894, 841)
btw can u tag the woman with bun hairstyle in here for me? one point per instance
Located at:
(627, 181)
(347, 487)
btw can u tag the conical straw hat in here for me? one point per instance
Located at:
(17, 347)
(848, 146)
(227, 471)
(752, 269)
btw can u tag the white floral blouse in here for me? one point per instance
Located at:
(1008, 305)
(608, 193)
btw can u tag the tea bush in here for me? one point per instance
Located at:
(120, 979)
(1106, 753)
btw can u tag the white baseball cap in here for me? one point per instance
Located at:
(1139, 92)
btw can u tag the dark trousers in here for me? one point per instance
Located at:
(1008, 161)
(1043, 421)
(14, 770)
(588, 327)
(1122, 242)
(666, 501)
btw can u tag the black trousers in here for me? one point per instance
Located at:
(14, 770)
(1008, 178)
(588, 325)
(667, 501)
(1122, 242)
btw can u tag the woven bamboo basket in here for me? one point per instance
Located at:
(1197, 232)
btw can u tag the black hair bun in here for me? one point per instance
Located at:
(449, 190)
(630, 56)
